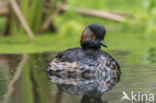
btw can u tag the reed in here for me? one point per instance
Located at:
(34, 13)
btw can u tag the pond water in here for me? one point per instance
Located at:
(29, 83)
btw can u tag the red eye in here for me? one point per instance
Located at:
(93, 37)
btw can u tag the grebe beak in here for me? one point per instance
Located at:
(103, 44)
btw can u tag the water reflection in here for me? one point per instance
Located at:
(91, 87)
(33, 85)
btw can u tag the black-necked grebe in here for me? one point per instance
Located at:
(89, 59)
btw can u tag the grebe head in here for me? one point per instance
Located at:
(93, 36)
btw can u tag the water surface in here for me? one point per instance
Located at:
(138, 69)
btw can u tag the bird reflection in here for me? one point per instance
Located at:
(90, 86)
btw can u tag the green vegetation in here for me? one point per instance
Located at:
(132, 43)
(33, 11)
(133, 34)
(115, 41)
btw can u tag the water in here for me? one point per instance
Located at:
(138, 69)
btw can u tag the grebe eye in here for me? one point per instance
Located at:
(93, 37)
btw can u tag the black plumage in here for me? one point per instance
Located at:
(89, 57)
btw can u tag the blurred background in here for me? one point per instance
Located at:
(53, 25)
(32, 32)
